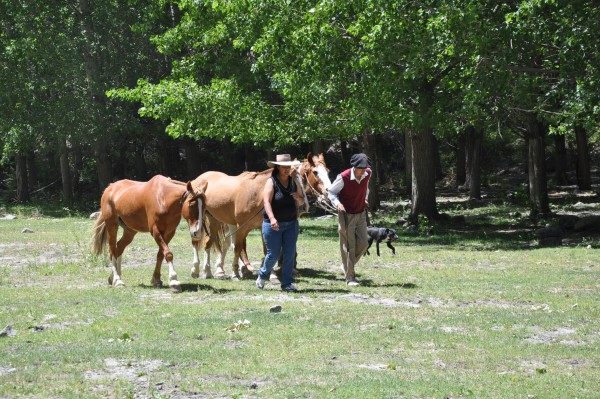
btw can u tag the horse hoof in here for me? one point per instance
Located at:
(110, 280)
(247, 273)
(220, 276)
(208, 276)
(195, 274)
(235, 278)
(175, 286)
(119, 284)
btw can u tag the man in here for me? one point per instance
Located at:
(348, 194)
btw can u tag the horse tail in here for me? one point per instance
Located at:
(216, 233)
(99, 238)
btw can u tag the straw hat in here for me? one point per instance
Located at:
(283, 160)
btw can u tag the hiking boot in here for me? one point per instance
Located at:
(289, 288)
(260, 283)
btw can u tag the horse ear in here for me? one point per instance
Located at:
(310, 158)
(201, 187)
(190, 188)
(322, 158)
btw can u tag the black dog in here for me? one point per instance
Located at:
(379, 234)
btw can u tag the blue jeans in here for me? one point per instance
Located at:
(277, 242)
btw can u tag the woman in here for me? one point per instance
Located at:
(281, 197)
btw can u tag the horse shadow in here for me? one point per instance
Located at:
(190, 287)
(320, 274)
(371, 283)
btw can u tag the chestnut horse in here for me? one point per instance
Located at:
(156, 207)
(314, 180)
(315, 176)
(236, 201)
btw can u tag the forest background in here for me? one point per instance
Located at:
(433, 91)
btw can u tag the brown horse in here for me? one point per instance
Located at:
(313, 178)
(156, 207)
(236, 201)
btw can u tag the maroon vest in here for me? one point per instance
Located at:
(353, 195)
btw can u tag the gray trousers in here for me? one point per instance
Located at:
(352, 229)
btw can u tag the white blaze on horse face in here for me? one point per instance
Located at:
(196, 227)
(324, 176)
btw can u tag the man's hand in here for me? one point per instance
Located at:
(341, 208)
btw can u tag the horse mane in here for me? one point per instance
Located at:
(254, 175)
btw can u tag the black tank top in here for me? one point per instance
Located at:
(283, 204)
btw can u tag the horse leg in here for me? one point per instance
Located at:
(247, 271)
(116, 251)
(168, 255)
(115, 274)
(196, 266)
(239, 241)
(219, 270)
(156, 280)
(206, 265)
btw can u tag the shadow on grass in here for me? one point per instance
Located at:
(188, 287)
(371, 283)
(316, 274)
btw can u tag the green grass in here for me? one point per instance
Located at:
(462, 311)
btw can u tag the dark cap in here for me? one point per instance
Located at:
(360, 161)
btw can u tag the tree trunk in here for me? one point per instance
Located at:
(408, 161)
(461, 172)
(32, 170)
(560, 160)
(95, 92)
(423, 176)
(538, 189)
(584, 180)
(22, 178)
(77, 167)
(65, 171)
(423, 148)
(473, 139)
(369, 143)
(192, 158)
(103, 165)
(439, 173)
(251, 159)
(344, 152)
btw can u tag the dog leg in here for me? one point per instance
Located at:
(390, 246)
(370, 242)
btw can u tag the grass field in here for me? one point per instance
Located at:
(470, 311)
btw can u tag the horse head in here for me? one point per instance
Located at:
(193, 206)
(315, 176)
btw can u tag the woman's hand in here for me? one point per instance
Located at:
(274, 224)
